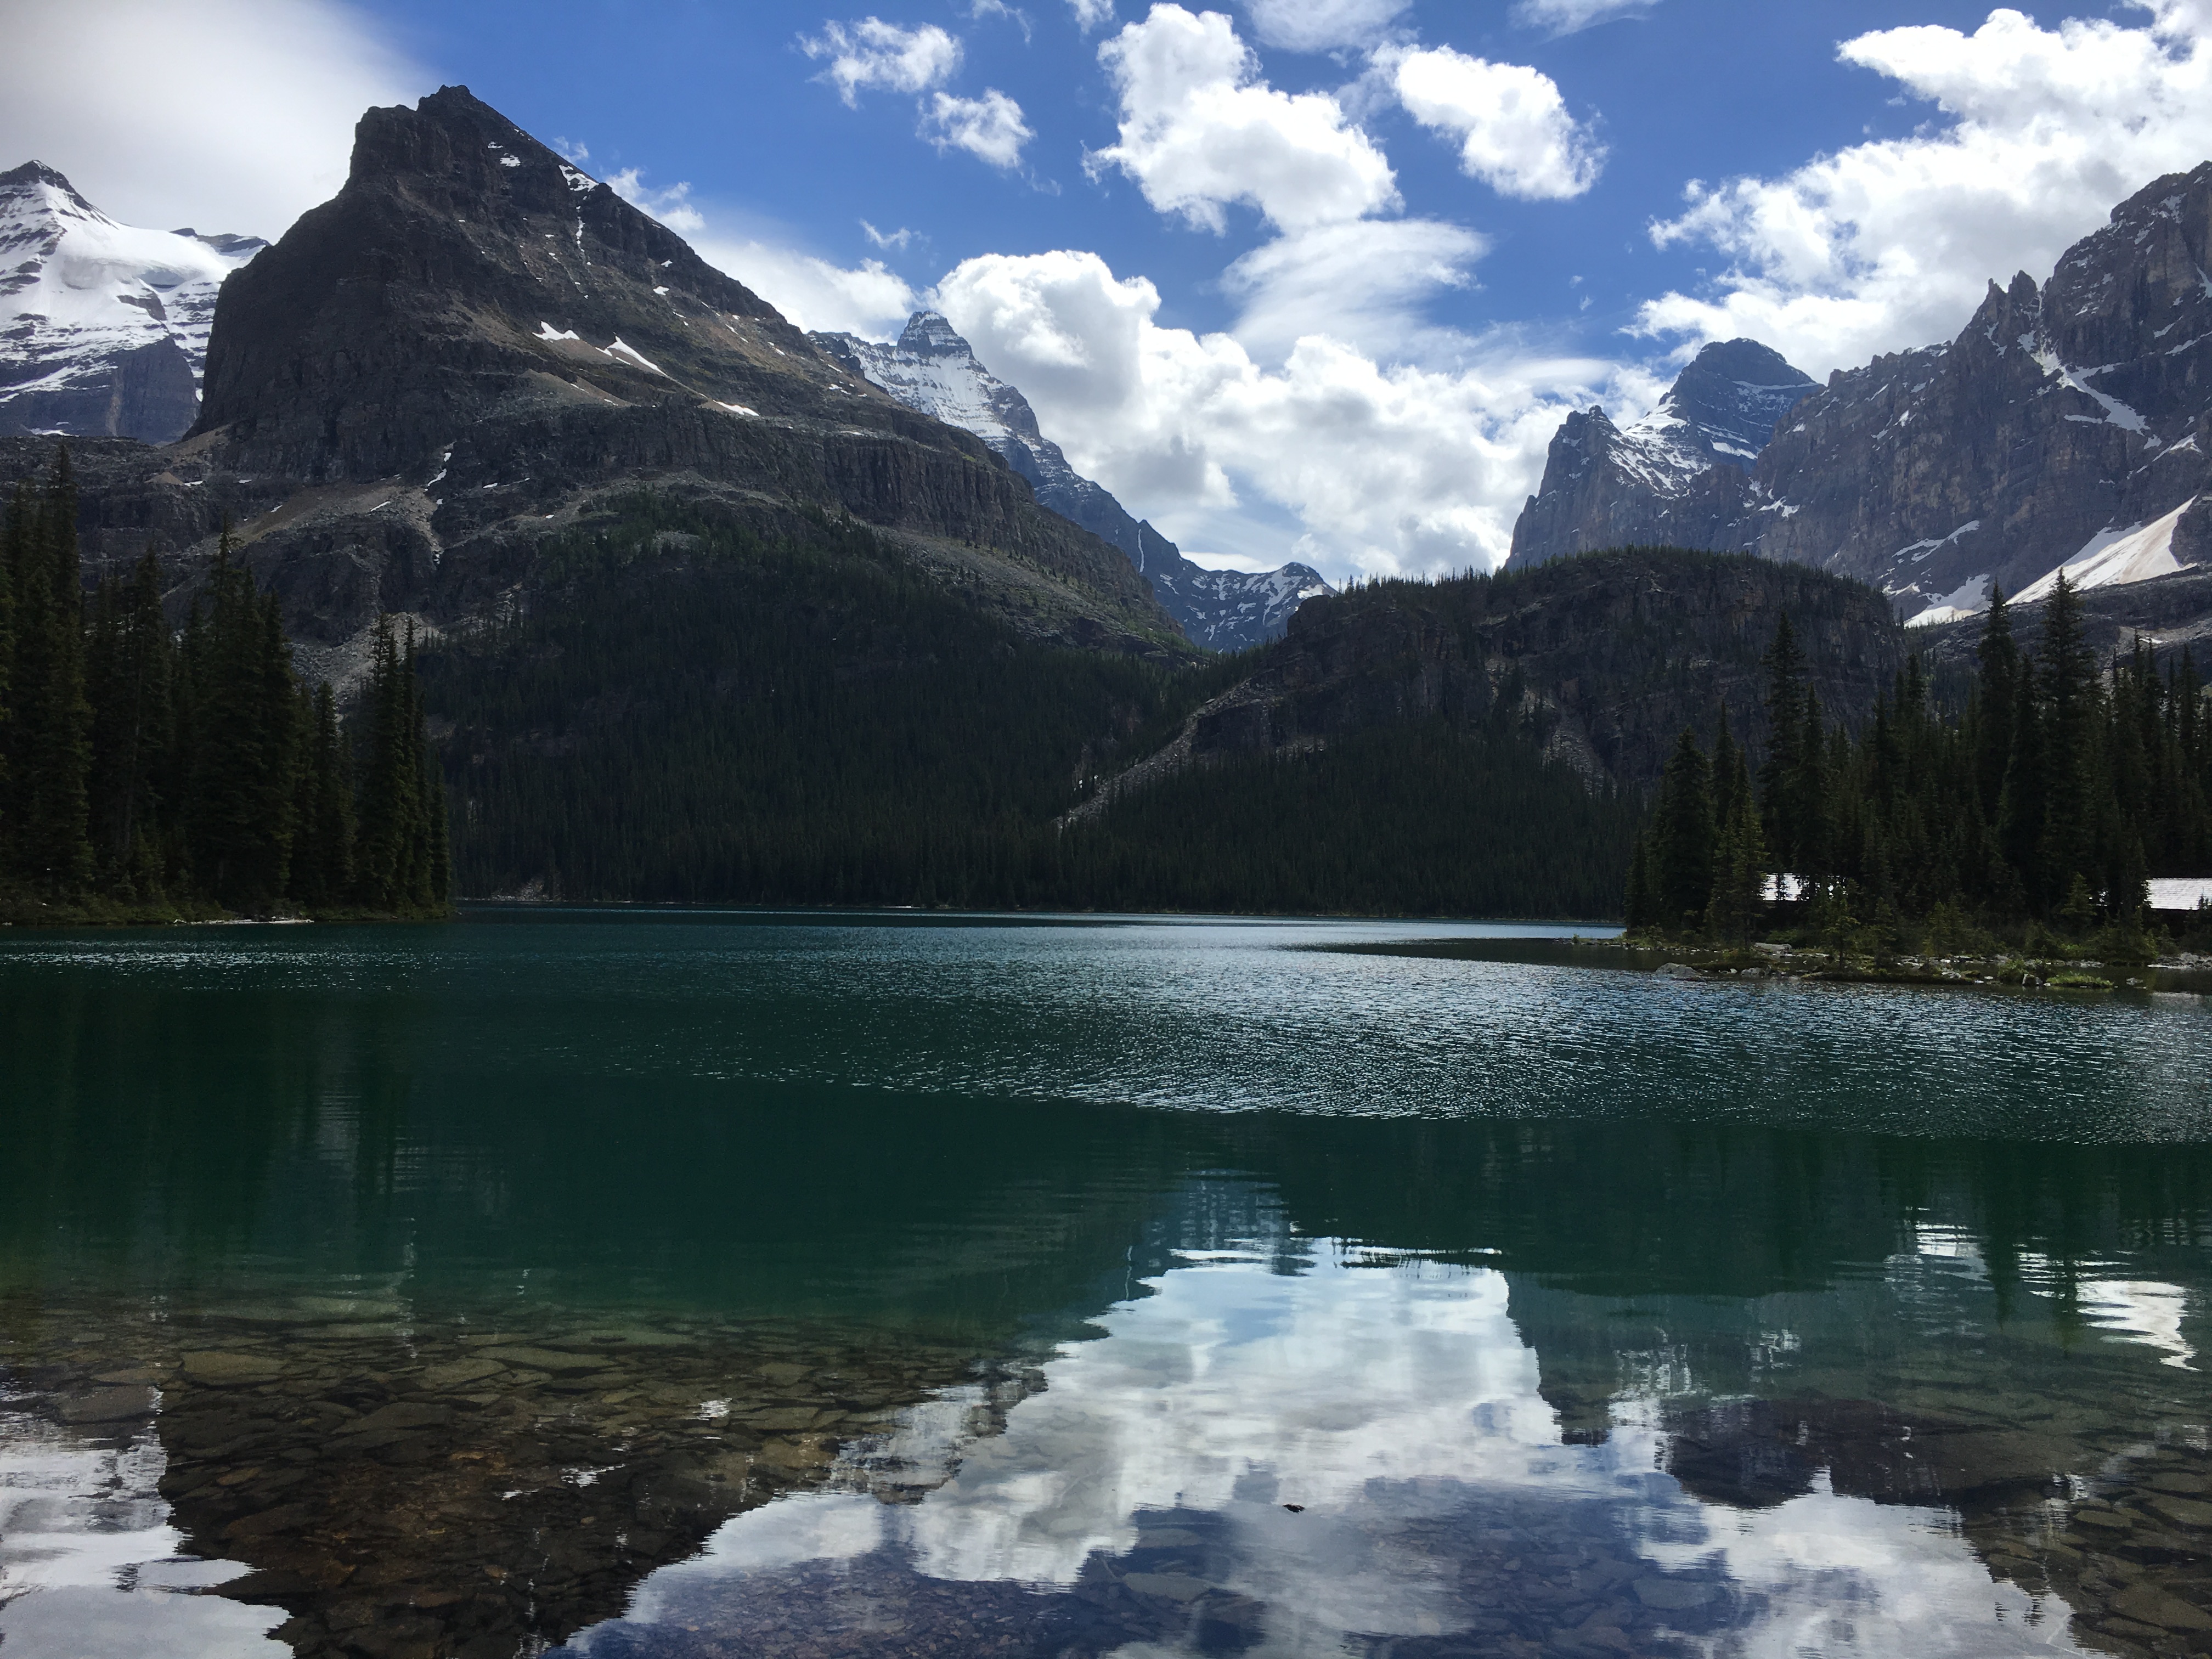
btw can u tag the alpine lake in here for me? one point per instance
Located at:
(658, 1285)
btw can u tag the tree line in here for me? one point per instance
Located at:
(2047, 800)
(147, 771)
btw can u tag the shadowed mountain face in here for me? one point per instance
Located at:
(2067, 425)
(473, 345)
(1674, 478)
(103, 326)
(933, 370)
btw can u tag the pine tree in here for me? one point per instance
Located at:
(53, 743)
(1682, 838)
(129, 671)
(245, 727)
(322, 850)
(1780, 778)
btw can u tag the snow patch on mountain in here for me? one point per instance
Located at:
(2113, 557)
(933, 370)
(103, 326)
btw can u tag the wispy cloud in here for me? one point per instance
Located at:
(1572, 16)
(893, 239)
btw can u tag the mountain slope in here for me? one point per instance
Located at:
(103, 327)
(933, 370)
(1676, 477)
(2062, 419)
(2069, 424)
(474, 346)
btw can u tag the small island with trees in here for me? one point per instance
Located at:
(2011, 842)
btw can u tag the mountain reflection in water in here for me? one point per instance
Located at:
(674, 1288)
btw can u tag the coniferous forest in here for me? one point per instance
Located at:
(2039, 808)
(151, 773)
(702, 715)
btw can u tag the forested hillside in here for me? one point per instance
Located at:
(151, 773)
(692, 712)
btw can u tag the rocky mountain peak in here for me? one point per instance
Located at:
(103, 326)
(933, 369)
(1654, 481)
(927, 334)
(465, 266)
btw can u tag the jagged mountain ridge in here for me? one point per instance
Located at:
(2069, 424)
(933, 370)
(103, 326)
(1674, 477)
(474, 346)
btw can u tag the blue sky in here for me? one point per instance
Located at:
(1295, 278)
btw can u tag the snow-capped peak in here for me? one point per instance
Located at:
(103, 326)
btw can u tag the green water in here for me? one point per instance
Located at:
(732, 1284)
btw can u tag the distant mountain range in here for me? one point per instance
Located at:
(103, 327)
(931, 368)
(2068, 425)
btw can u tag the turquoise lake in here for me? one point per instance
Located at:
(632, 1284)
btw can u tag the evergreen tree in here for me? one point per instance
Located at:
(244, 727)
(1781, 777)
(1682, 837)
(53, 736)
(129, 674)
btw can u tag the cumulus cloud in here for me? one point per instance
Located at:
(1514, 129)
(990, 128)
(251, 109)
(1092, 14)
(1401, 468)
(1322, 25)
(872, 53)
(867, 300)
(1200, 130)
(1572, 16)
(1889, 243)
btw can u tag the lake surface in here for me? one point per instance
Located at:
(683, 1285)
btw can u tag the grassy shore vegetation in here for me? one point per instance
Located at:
(151, 775)
(2020, 828)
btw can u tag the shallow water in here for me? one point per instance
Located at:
(732, 1284)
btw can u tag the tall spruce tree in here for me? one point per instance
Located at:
(53, 750)
(128, 673)
(1682, 837)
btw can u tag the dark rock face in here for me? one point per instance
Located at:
(934, 370)
(2058, 412)
(2063, 415)
(1611, 655)
(474, 345)
(1675, 478)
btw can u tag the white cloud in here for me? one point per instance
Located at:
(1200, 130)
(1361, 284)
(1888, 244)
(671, 206)
(872, 53)
(1513, 126)
(990, 128)
(1571, 16)
(1092, 14)
(868, 300)
(979, 9)
(898, 239)
(250, 109)
(1322, 25)
(1382, 469)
